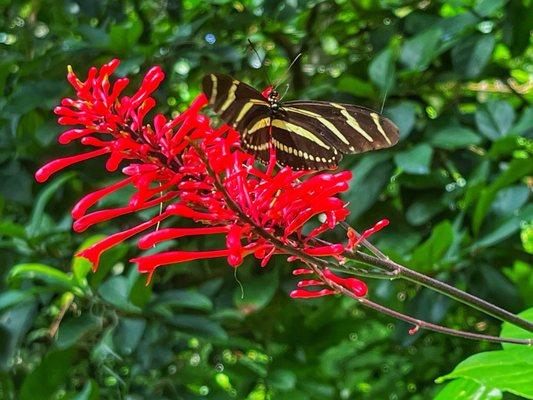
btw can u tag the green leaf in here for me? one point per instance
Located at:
(282, 379)
(513, 331)
(421, 211)
(495, 118)
(526, 235)
(521, 273)
(501, 228)
(258, 292)
(51, 276)
(48, 376)
(470, 56)
(356, 87)
(429, 254)
(516, 169)
(467, 389)
(35, 225)
(418, 52)
(12, 229)
(403, 114)
(90, 391)
(198, 324)
(486, 8)
(416, 160)
(72, 330)
(507, 370)
(524, 126)
(11, 298)
(182, 299)
(371, 175)
(14, 323)
(126, 35)
(382, 70)
(452, 138)
(128, 334)
(116, 292)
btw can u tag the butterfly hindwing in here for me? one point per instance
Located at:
(351, 129)
(299, 145)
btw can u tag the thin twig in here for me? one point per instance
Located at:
(442, 287)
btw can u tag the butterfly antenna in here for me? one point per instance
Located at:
(286, 74)
(384, 98)
(260, 61)
(285, 92)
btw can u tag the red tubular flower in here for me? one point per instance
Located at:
(357, 287)
(196, 172)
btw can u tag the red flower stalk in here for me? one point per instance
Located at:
(196, 172)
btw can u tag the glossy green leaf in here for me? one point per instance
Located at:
(495, 119)
(507, 370)
(524, 126)
(486, 8)
(128, 334)
(90, 391)
(429, 254)
(452, 138)
(467, 389)
(513, 331)
(116, 292)
(49, 275)
(416, 160)
(48, 376)
(75, 329)
(36, 221)
(356, 87)
(516, 169)
(371, 175)
(182, 299)
(403, 114)
(418, 52)
(382, 70)
(470, 56)
(421, 211)
(257, 292)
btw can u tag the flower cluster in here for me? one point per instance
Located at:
(187, 168)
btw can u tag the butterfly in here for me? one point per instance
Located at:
(306, 135)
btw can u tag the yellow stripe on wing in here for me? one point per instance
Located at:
(259, 125)
(214, 89)
(278, 123)
(322, 120)
(375, 118)
(352, 121)
(231, 96)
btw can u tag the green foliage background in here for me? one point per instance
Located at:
(455, 76)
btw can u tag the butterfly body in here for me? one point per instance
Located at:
(309, 135)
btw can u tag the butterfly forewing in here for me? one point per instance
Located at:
(351, 129)
(237, 103)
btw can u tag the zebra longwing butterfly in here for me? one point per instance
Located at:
(309, 135)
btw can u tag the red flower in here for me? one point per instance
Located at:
(197, 172)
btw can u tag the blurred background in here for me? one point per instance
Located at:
(456, 77)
